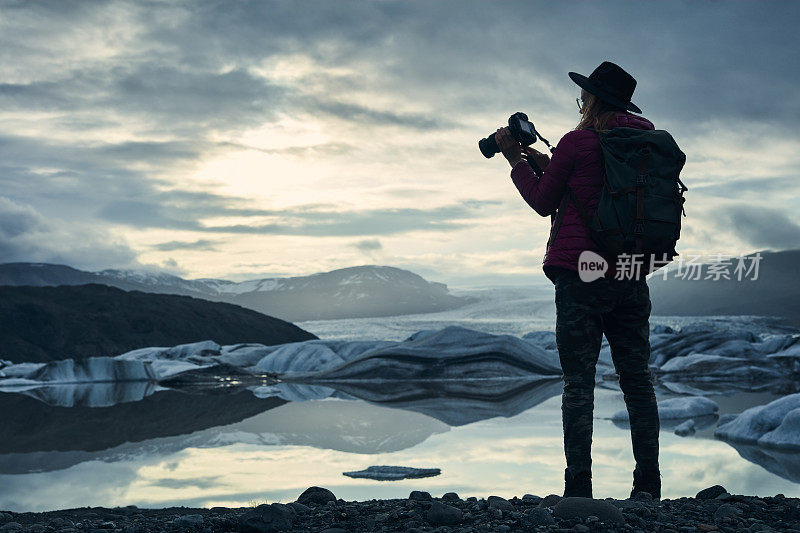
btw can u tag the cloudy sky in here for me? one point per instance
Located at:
(240, 139)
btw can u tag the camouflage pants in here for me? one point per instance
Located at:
(620, 309)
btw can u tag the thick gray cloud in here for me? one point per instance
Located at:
(368, 245)
(26, 235)
(105, 101)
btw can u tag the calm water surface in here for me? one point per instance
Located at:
(276, 454)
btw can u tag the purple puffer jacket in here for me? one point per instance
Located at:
(577, 160)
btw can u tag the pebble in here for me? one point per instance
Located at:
(442, 514)
(550, 500)
(188, 520)
(584, 507)
(539, 516)
(267, 519)
(723, 513)
(496, 502)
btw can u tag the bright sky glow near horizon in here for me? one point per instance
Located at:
(246, 139)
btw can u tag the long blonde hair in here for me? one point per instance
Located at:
(596, 113)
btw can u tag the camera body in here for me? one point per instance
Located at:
(521, 129)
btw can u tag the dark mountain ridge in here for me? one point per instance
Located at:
(40, 324)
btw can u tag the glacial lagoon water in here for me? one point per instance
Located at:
(232, 448)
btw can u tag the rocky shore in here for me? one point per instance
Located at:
(318, 510)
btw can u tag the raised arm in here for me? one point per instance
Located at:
(544, 195)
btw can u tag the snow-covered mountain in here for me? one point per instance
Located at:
(361, 291)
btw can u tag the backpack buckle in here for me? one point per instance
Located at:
(638, 227)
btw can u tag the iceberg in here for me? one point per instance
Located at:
(708, 367)
(678, 408)
(450, 353)
(775, 425)
(393, 473)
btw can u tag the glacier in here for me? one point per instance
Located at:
(693, 359)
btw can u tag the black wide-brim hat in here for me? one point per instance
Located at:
(610, 83)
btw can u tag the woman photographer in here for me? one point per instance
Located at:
(618, 308)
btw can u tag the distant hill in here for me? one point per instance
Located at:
(39, 324)
(361, 291)
(776, 291)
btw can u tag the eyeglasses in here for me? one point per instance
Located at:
(580, 104)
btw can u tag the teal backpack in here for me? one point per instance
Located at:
(641, 202)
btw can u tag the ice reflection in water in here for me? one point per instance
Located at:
(497, 437)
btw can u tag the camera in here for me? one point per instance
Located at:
(521, 129)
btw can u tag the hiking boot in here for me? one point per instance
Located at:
(648, 481)
(578, 485)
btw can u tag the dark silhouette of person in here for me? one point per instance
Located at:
(618, 307)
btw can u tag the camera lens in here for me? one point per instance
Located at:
(488, 146)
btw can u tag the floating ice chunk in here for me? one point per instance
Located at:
(393, 473)
(165, 368)
(767, 425)
(786, 436)
(685, 428)
(193, 350)
(703, 367)
(450, 353)
(543, 339)
(20, 370)
(308, 356)
(244, 355)
(686, 407)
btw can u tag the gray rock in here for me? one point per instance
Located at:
(711, 492)
(550, 500)
(299, 508)
(316, 495)
(451, 497)
(267, 519)
(442, 514)
(539, 516)
(334, 530)
(531, 497)
(496, 502)
(420, 496)
(188, 520)
(583, 508)
(580, 528)
(725, 510)
(11, 526)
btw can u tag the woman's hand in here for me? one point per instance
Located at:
(541, 159)
(511, 149)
